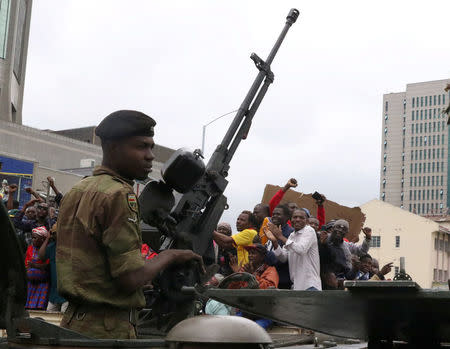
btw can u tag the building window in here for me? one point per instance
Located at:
(421, 101)
(434, 100)
(384, 169)
(383, 196)
(439, 99)
(375, 241)
(410, 196)
(385, 130)
(397, 241)
(4, 26)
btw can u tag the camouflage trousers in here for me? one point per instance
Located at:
(101, 322)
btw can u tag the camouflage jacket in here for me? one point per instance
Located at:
(99, 238)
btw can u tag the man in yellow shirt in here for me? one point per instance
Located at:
(245, 224)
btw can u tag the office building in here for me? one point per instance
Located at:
(15, 16)
(414, 172)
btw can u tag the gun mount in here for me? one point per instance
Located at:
(189, 223)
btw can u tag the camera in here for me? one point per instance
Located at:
(316, 196)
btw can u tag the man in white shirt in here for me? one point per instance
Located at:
(301, 250)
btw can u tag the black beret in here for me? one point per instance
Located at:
(125, 123)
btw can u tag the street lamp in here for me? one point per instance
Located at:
(209, 123)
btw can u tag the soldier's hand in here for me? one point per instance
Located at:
(50, 180)
(183, 256)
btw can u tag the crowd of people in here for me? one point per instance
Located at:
(286, 247)
(35, 225)
(281, 245)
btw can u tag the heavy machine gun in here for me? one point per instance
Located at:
(190, 222)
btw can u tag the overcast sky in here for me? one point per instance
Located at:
(187, 62)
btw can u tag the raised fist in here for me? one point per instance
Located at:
(12, 188)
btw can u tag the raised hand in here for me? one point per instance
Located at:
(386, 268)
(276, 230)
(291, 183)
(234, 263)
(12, 188)
(367, 232)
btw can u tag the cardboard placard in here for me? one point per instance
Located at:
(333, 210)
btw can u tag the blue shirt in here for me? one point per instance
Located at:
(50, 253)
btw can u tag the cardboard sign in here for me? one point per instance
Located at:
(333, 210)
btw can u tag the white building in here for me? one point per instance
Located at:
(398, 233)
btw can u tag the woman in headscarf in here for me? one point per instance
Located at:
(37, 272)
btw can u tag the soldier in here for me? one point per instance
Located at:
(99, 264)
